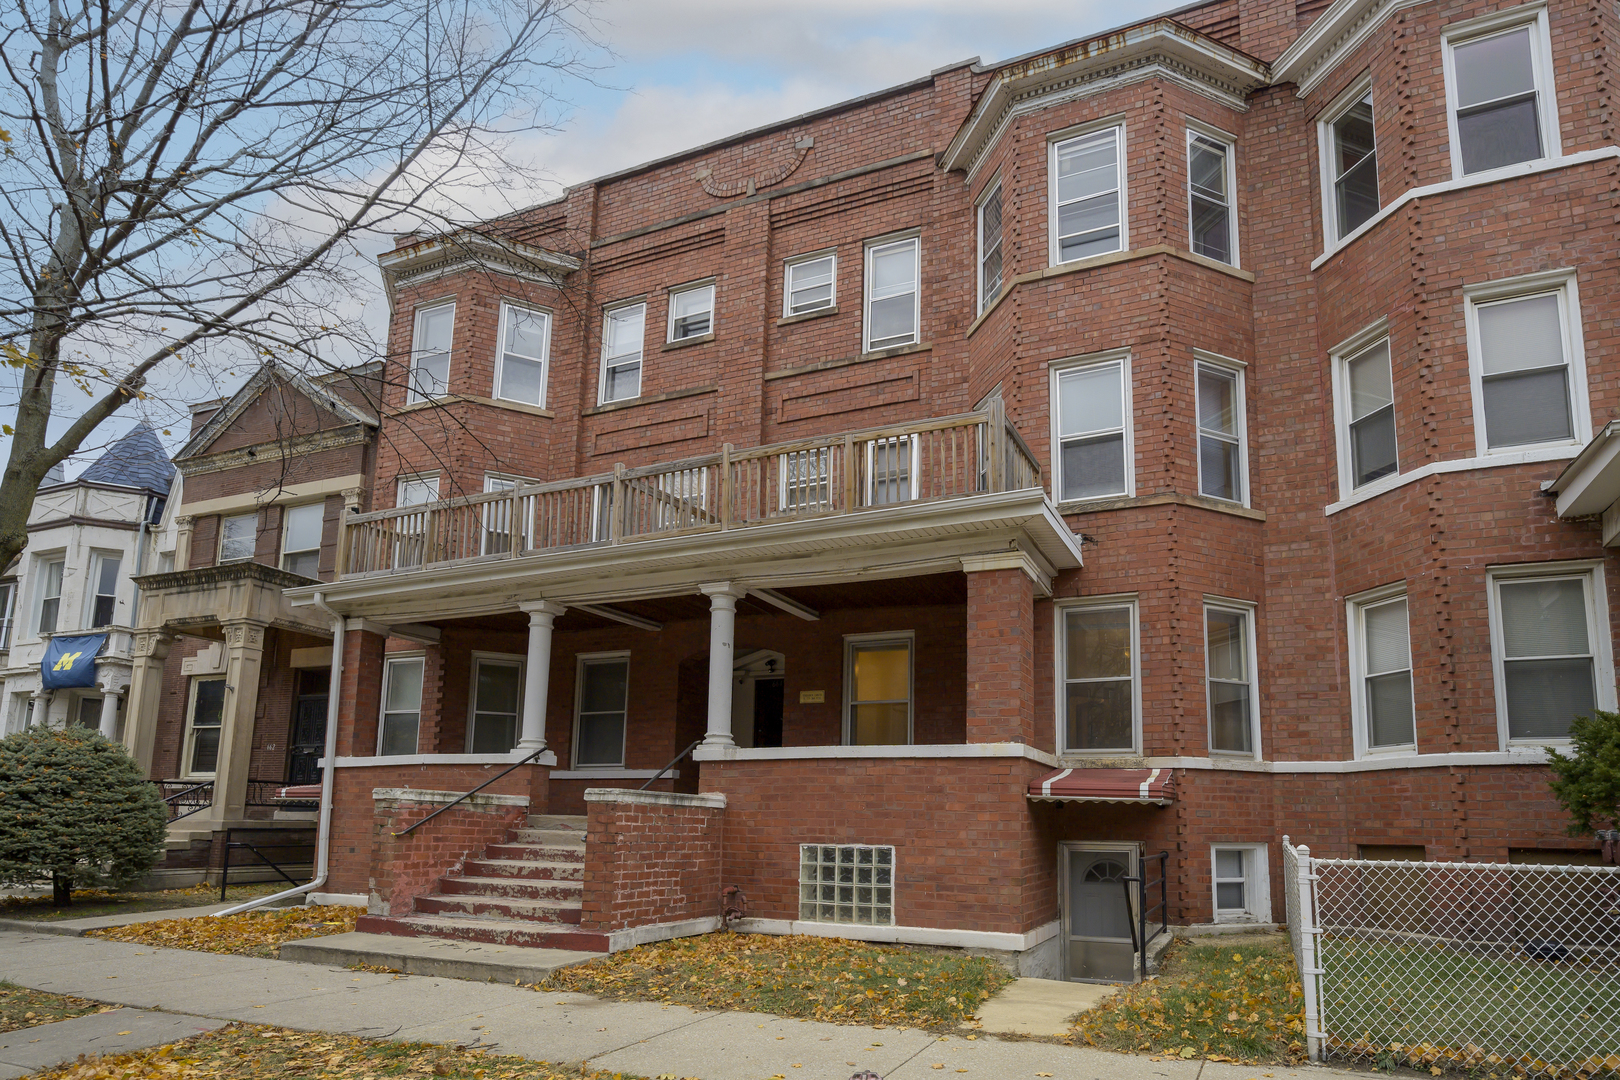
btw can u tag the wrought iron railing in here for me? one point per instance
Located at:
(1142, 882)
(921, 461)
(187, 797)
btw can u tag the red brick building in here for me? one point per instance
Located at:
(1162, 442)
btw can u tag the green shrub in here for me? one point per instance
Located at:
(75, 811)
(1587, 782)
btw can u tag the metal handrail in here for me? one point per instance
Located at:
(1140, 940)
(659, 774)
(225, 868)
(467, 795)
(178, 800)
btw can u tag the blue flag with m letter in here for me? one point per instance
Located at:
(70, 662)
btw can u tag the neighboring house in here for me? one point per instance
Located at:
(73, 601)
(1159, 443)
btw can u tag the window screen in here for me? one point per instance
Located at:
(1524, 371)
(1387, 678)
(891, 295)
(1086, 203)
(809, 285)
(1372, 415)
(1547, 661)
(1091, 431)
(1099, 691)
(525, 346)
(1498, 111)
(1209, 197)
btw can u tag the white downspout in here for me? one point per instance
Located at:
(323, 836)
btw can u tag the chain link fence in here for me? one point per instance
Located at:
(1495, 968)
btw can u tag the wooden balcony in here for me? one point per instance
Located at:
(847, 473)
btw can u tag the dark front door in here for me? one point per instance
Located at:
(768, 712)
(308, 726)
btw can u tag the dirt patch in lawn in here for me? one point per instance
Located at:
(811, 978)
(1224, 1002)
(21, 1007)
(251, 933)
(91, 903)
(244, 1052)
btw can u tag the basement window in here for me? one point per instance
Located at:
(846, 883)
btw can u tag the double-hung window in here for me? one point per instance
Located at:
(811, 284)
(498, 514)
(496, 704)
(50, 594)
(1499, 92)
(1211, 182)
(401, 720)
(1241, 882)
(1088, 195)
(1366, 405)
(206, 722)
(600, 708)
(1098, 699)
(1221, 431)
(1381, 672)
(891, 470)
(1549, 648)
(1230, 677)
(1528, 363)
(624, 330)
(892, 311)
(691, 312)
(990, 246)
(238, 535)
(877, 689)
(301, 540)
(430, 353)
(806, 479)
(1091, 428)
(104, 600)
(410, 548)
(520, 371)
(1350, 158)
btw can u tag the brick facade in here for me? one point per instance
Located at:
(651, 862)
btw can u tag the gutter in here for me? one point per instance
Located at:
(323, 834)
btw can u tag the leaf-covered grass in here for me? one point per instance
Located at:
(242, 1052)
(812, 978)
(252, 933)
(89, 903)
(1222, 1002)
(21, 1007)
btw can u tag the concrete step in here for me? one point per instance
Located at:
(548, 837)
(513, 887)
(557, 821)
(553, 853)
(491, 931)
(444, 958)
(519, 868)
(495, 907)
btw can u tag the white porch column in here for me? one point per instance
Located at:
(537, 675)
(723, 597)
(109, 714)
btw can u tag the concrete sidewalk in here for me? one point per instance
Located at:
(78, 927)
(637, 1038)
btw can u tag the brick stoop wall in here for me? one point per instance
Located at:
(405, 867)
(652, 859)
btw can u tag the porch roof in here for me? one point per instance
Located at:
(1150, 786)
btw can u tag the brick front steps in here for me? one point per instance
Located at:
(524, 891)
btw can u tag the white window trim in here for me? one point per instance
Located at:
(1228, 140)
(914, 238)
(93, 582)
(669, 308)
(911, 472)
(787, 282)
(509, 659)
(1355, 614)
(508, 481)
(1060, 611)
(416, 478)
(602, 356)
(412, 397)
(1239, 369)
(894, 637)
(1246, 608)
(500, 353)
(1256, 885)
(389, 660)
(991, 189)
(188, 743)
(1597, 626)
(286, 523)
(1325, 157)
(219, 544)
(1059, 368)
(1053, 250)
(580, 660)
(36, 603)
(1340, 356)
(1564, 283)
(1531, 15)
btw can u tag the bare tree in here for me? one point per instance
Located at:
(188, 179)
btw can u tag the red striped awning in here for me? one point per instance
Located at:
(1155, 786)
(300, 793)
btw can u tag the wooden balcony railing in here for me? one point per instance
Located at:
(853, 472)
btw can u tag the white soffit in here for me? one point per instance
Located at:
(1590, 484)
(1336, 33)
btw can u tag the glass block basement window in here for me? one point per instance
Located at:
(846, 883)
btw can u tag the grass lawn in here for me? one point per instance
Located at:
(252, 933)
(87, 904)
(811, 978)
(21, 1007)
(242, 1052)
(1238, 1003)
(1431, 1006)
